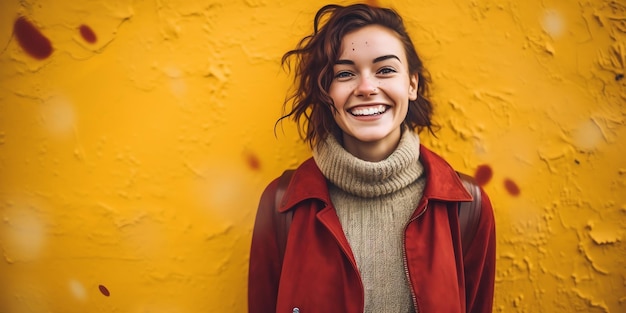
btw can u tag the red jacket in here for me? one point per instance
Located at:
(319, 273)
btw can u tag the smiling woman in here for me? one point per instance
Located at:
(371, 91)
(373, 220)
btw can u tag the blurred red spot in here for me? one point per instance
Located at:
(253, 161)
(483, 174)
(511, 187)
(104, 290)
(31, 39)
(87, 34)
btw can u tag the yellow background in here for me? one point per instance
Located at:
(130, 168)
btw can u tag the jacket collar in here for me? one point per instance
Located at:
(307, 182)
(442, 182)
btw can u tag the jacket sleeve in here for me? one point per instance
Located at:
(265, 264)
(480, 262)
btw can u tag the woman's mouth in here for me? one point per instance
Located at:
(369, 111)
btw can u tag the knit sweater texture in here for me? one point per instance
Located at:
(374, 201)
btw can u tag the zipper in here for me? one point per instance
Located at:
(405, 261)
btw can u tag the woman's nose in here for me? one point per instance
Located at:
(366, 87)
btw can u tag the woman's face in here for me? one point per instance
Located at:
(371, 90)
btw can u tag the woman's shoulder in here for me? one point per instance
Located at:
(305, 181)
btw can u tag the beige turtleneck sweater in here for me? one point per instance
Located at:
(374, 201)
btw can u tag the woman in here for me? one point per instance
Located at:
(374, 214)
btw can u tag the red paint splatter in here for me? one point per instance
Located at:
(87, 33)
(511, 187)
(104, 290)
(31, 39)
(253, 161)
(483, 174)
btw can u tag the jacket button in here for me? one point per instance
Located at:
(296, 310)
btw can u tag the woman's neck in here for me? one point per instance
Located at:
(373, 151)
(370, 179)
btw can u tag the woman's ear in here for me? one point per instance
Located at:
(413, 80)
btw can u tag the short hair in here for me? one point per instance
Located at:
(315, 55)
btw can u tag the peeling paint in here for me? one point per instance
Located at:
(604, 234)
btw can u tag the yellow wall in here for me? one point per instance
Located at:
(131, 161)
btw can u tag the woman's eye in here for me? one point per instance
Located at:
(386, 70)
(343, 75)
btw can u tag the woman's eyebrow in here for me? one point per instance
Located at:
(386, 57)
(349, 62)
(376, 60)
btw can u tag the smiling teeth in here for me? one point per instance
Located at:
(369, 111)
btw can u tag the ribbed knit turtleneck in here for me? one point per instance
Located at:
(374, 201)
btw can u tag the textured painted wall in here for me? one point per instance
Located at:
(137, 136)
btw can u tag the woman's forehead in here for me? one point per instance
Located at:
(371, 39)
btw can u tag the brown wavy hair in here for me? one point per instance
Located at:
(312, 107)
